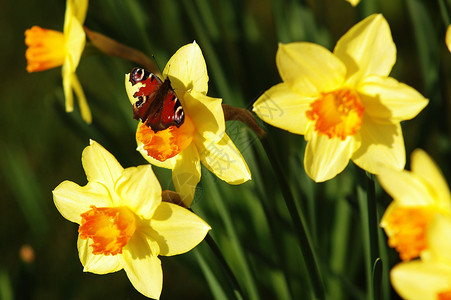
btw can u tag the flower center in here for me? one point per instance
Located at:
(337, 114)
(166, 143)
(409, 225)
(46, 48)
(110, 228)
(444, 295)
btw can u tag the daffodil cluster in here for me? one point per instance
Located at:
(343, 102)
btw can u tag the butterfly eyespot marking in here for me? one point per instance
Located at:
(138, 75)
(140, 101)
(156, 103)
(179, 114)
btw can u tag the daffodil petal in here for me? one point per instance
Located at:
(82, 102)
(309, 69)
(380, 144)
(224, 160)
(206, 114)
(389, 230)
(416, 280)
(142, 266)
(387, 99)
(187, 69)
(75, 9)
(72, 200)
(139, 189)
(439, 242)
(98, 264)
(75, 39)
(404, 187)
(281, 107)
(79, 9)
(425, 168)
(66, 74)
(186, 174)
(75, 42)
(177, 230)
(324, 157)
(367, 48)
(130, 89)
(353, 2)
(100, 165)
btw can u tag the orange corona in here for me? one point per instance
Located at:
(408, 226)
(46, 49)
(444, 295)
(167, 143)
(110, 228)
(337, 114)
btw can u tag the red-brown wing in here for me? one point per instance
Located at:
(157, 104)
(170, 112)
(146, 95)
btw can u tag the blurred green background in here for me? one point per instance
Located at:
(41, 145)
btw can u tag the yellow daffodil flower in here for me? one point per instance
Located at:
(201, 138)
(343, 102)
(49, 48)
(123, 222)
(418, 196)
(428, 278)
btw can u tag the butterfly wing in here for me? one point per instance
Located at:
(146, 94)
(157, 104)
(171, 111)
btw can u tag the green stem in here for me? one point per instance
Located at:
(372, 218)
(368, 209)
(217, 252)
(444, 12)
(298, 222)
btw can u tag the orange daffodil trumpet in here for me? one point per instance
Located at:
(418, 196)
(343, 102)
(201, 137)
(427, 278)
(123, 222)
(49, 48)
(418, 224)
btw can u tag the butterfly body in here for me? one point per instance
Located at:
(157, 104)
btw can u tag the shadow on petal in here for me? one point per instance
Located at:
(141, 245)
(381, 143)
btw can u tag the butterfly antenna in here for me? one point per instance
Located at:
(157, 65)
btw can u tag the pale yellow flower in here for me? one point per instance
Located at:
(123, 222)
(343, 102)
(49, 48)
(418, 196)
(202, 136)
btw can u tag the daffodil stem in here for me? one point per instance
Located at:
(368, 209)
(113, 48)
(299, 223)
(217, 252)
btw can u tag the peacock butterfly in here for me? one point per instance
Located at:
(157, 104)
